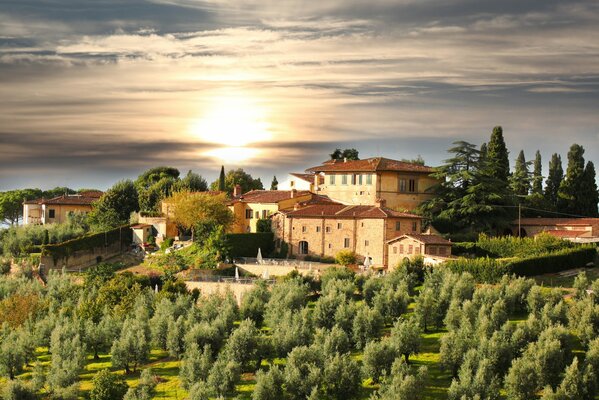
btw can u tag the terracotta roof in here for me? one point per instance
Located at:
(83, 198)
(558, 221)
(371, 165)
(318, 199)
(564, 233)
(308, 177)
(345, 211)
(269, 196)
(426, 239)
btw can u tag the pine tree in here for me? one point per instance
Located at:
(591, 195)
(221, 179)
(520, 180)
(554, 180)
(537, 175)
(274, 184)
(571, 190)
(497, 155)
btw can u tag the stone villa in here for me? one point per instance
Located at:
(56, 210)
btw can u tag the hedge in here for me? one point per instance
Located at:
(87, 242)
(491, 270)
(247, 244)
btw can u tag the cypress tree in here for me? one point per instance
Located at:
(591, 195)
(554, 180)
(497, 155)
(274, 184)
(571, 190)
(520, 180)
(537, 177)
(221, 179)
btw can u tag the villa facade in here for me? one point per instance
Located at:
(57, 209)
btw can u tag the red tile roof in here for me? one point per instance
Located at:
(307, 177)
(346, 211)
(426, 239)
(558, 221)
(269, 196)
(371, 165)
(318, 199)
(82, 199)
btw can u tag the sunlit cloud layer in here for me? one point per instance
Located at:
(94, 91)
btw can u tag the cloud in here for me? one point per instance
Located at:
(77, 77)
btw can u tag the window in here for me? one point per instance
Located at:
(417, 249)
(362, 225)
(360, 179)
(257, 214)
(264, 213)
(327, 229)
(248, 214)
(339, 226)
(414, 226)
(407, 185)
(410, 249)
(397, 225)
(303, 229)
(344, 179)
(369, 179)
(303, 247)
(432, 250)
(442, 251)
(318, 229)
(346, 243)
(401, 248)
(354, 179)
(330, 245)
(366, 243)
(394, 249)
(331, 179)
(51, 213)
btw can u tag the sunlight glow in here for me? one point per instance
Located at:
(233, 120)
(233, 155)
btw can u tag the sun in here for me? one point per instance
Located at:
(233, 120)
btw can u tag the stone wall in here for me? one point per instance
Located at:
(81, 259)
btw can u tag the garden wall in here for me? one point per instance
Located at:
(87, 250)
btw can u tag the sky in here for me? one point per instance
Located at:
(92, 92)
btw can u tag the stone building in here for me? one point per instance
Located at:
(322, 230)
(574, 229)
(57, 209)
(412, 245)
(403, 185)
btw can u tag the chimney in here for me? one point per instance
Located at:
(344, 159)
(381, 202)
(293, 193)
(237, 191)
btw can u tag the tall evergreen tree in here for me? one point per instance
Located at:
(221, 179)
(274, 184)
(497, 155)
(520, 179)
(591, 195)
(571, 190)
(554, 180)
(537, 175)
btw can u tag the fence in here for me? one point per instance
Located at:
(198, 276)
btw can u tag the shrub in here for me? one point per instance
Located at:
(345, 257)
(17, 390)
(108, 386)
(247, 244)
(4, 266)
(166, 243)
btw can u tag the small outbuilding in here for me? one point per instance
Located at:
(411, 245)
(141, 233)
